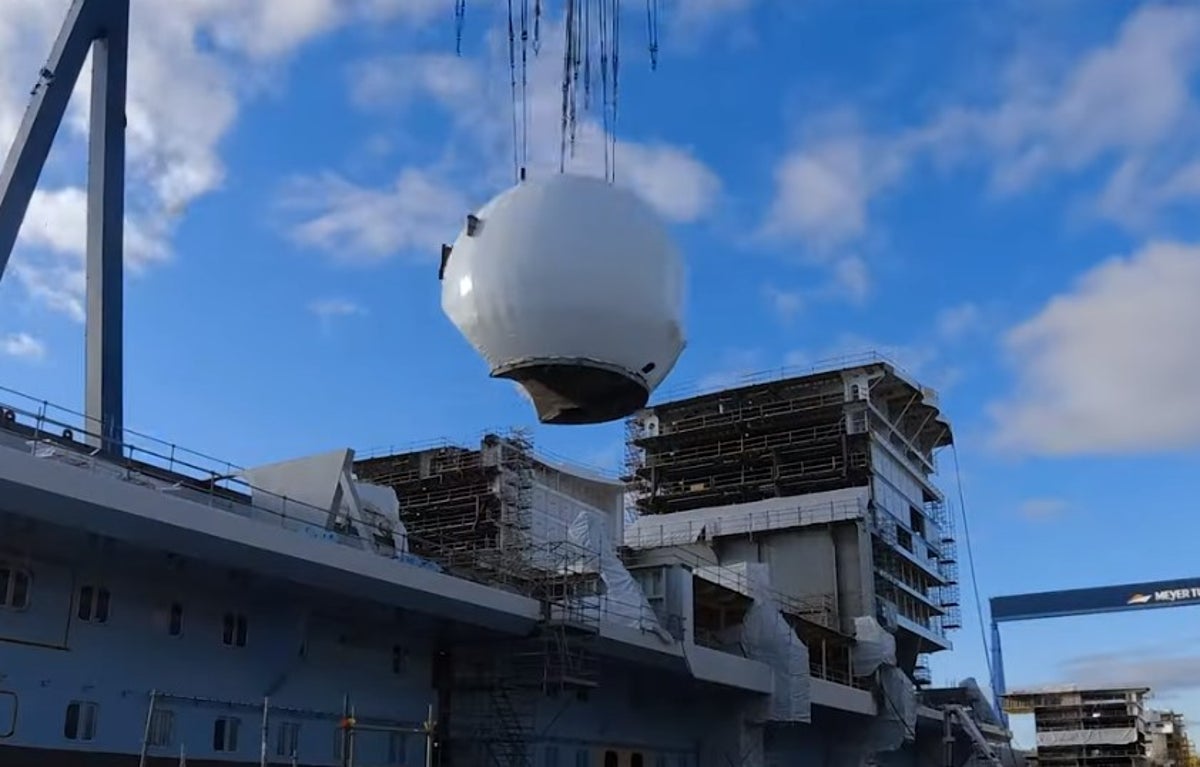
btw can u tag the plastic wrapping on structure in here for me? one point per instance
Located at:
(873, 646)
(381, 501)
(981, 707)
(1109, 736)
(769, 638)
(896, 721)
(623, 601)
(572, 288)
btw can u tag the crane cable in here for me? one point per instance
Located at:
(512, 72)
(962, 510)
(588, 25)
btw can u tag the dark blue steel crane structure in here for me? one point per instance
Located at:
(100, 27)
(1092, 601)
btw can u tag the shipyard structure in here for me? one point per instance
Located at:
(1078, 726)
(762, 588)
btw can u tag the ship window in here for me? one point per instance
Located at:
(610, 758)
(175, 622)
(637, 760)
(81, 721)
(162, 728)
(916, 520)
(14, 588)
(225, 733)
(8, 713)
(93, 604)
(288, 740)
(550, 757)
(234, 630)
(398, 657)
(583, 758)
(397, 748)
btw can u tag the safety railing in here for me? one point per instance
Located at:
(542, 455)
(827, 365)
(54, 432)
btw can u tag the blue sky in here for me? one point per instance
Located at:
(1001, 196)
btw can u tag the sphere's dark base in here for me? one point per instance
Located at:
(577, 392)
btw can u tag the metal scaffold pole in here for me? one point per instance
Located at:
(262, 759)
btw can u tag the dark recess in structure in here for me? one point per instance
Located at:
(578, 392)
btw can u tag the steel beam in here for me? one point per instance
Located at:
(106, 224)
(101, 26)
(1129, 597)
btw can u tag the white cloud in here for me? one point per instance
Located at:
(477, 155)
(1125, 106)
(1125, 109)
(849, 280)
(736, 367)
(328, 308)
(920, 360)
(357, 224)
(1039, 509)
(956, 322)
(852, 278)
(823, 190)
(1165, 668)
(388, 83)
(22, 346)
(785, 304)
(1109, 366)
(698, 25)
(821, 194)
(192, 63)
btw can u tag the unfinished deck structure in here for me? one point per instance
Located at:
(498, 515)
(824, 475)
(1081, 726)
(1170, 745)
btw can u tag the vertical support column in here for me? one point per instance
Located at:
(998, 684)
(104, 398)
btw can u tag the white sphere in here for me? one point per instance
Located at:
(572, 288)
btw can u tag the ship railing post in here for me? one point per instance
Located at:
(262, 759)
(430, 727)
(146, 730)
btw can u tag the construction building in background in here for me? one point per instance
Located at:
(824, 477)
(1080, 726)
(1170, 745)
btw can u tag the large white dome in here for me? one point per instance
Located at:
(572, 288)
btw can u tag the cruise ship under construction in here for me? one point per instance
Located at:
(763, 586)
(789, 569)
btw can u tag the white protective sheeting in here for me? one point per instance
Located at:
(873, 647)
(769, 638)
(560, 494)
(381, 510)
(896, 722)
(682, 527)
(623, 601)
(1109, 736)
(568, 267)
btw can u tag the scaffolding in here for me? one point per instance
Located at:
(765, 441)
(1086, 727)
(901, 584)
(471, 511)
(948, 593)
(498, 684)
